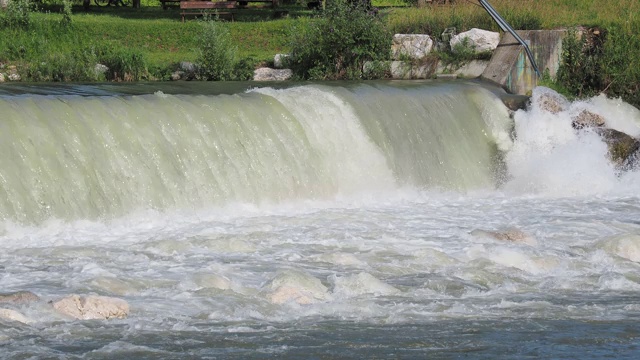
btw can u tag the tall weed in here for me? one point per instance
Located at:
(217, 51)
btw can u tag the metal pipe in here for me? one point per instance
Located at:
(505, 27)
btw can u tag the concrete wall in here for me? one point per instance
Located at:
(510, 67)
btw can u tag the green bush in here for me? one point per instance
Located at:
(217, 53)
(580, 70)
(18, 14)
(609, 63)
(337, 44)
(123, 64)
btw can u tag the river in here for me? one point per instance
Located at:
(316, 221)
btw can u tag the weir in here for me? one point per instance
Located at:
(101, 156)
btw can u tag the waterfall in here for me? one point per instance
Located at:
(76, 157)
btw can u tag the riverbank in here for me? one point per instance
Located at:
(150, 43)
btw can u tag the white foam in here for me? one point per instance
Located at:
(550, 158)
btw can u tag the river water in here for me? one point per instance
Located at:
(316, 221)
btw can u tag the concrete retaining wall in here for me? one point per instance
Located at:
(510, 67)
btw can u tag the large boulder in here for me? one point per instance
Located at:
(268, 74)
(19, 297)
(477, 40)
(624, 149)
(92, 307)
(12, 315)
(412, 46)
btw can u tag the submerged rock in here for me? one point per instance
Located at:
(626, 246)
(92, 307)
(361, 284)
(295, 286)
(19, 297)
(510, 234)
(13, 315)
(212, 281)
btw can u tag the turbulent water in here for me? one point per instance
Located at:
(363, 220)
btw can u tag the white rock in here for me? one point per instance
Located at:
(268, 74)
(479, 40)
(13, 315)
(413, 46)
(100, 69)
(549, 100)
(400, 70)
(177, 75)
(92, 307)
(279, 59)
(2, 77)
(14, 77)
(587, 119)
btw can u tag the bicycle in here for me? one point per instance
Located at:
(112, 2)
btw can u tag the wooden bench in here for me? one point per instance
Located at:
(206, 7)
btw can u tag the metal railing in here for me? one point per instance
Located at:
(505, 27)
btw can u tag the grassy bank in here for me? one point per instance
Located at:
(149, 42)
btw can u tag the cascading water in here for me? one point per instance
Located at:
(382, 219)
(75, 157)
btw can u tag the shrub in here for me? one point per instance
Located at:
(217, 53)
(18, 14)
(604, 63)
(337, 44)
(243, 69)
(577, 72)
(123, 64)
